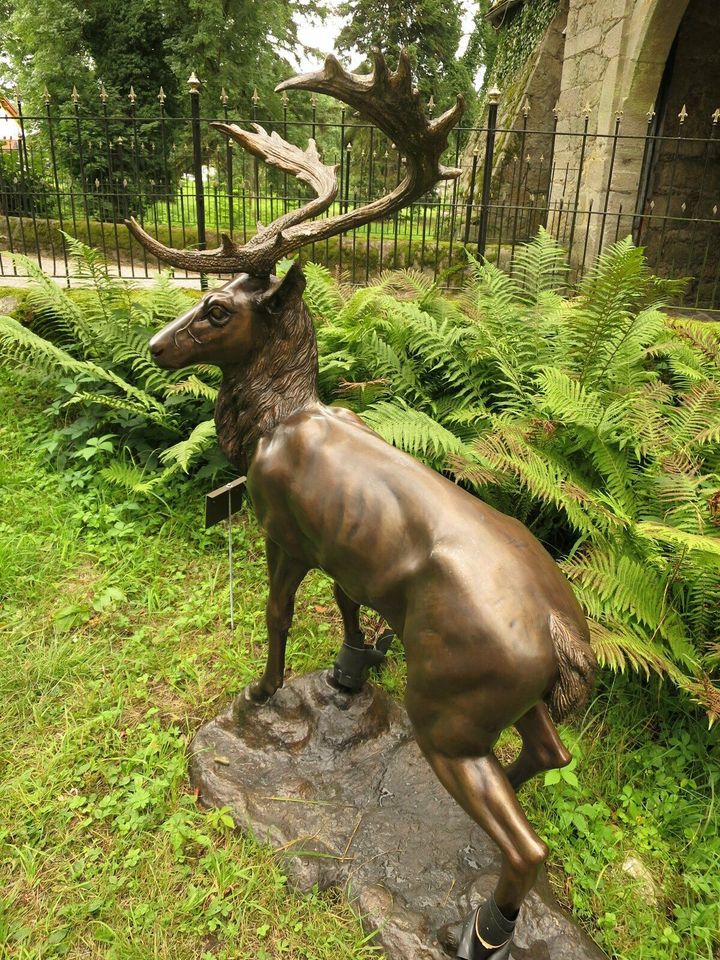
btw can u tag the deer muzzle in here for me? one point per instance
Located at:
(171, 347)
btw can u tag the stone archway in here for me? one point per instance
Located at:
(615, 55)
(679, 196)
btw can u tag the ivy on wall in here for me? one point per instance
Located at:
(518, 39)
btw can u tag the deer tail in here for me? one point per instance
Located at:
(577, 668)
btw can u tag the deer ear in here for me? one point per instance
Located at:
(282, 291)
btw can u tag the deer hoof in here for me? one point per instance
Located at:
(487, 934)
(256, 692)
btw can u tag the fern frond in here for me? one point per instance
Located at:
(539, 268)
(323, 295)
(674, 537)
(411, 430)
(193, 386)
(619, 647)
(33, 349)
(162, 417)
(186, 451)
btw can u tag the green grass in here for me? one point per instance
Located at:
(116, 646)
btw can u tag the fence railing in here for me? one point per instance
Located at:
(82, 171)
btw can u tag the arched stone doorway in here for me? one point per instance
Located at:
(679, 190)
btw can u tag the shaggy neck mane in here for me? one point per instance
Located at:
(274, 382)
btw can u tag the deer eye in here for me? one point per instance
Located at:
(218, 315)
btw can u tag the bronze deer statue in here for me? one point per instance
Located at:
(492, 633)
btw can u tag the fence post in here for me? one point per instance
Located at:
(194, 85)
(53, 160)
(493, 100)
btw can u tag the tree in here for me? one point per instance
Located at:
(102, 48)
(242, 45)
(431, 30)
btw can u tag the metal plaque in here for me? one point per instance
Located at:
(222, 503)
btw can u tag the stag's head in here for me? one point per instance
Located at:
(230, 324)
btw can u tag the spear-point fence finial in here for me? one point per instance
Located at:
(103, 93)
(255, 97)
(716, 116)
(683, 115)
(284, 99)
(46, 95)
(132, 96)
(193, 83)
(223, 97)
(494, 95)
(162, 97)
(526, 106)
(75, 96)
(651, 113)
(431, 105)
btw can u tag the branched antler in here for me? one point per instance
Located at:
(385, 98)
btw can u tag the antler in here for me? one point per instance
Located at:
(261, 252)
(385, 98)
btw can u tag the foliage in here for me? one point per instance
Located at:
(632, 822)
(431, 32)
(518, 39)
(144, 46)
(595, 420)
(242, 45)
(23, 191)
(94, 350)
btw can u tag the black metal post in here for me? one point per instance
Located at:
(471, 197)
(53, 160)
(194, 85)
(229, 165)
(578, 184)
(494, 100)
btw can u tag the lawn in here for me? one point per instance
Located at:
(116, 646)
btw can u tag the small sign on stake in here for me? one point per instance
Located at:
(221, 504)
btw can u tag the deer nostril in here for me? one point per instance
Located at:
(156, 348)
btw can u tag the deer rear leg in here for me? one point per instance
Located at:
(285, 575)
(542, 748)
(480, 786)
(350, 613)
(355, 659)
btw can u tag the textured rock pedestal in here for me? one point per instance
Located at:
(336, 782)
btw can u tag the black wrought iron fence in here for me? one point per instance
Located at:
(82, 170)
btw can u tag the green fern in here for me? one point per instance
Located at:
(99, 335)
(184, 453)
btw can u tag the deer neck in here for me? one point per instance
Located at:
(276, 381)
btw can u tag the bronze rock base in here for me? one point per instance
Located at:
(335, 781)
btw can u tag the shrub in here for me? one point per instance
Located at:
(145, 424)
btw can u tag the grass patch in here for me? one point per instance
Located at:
(116, 646)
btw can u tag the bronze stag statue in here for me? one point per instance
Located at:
(492, 633)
